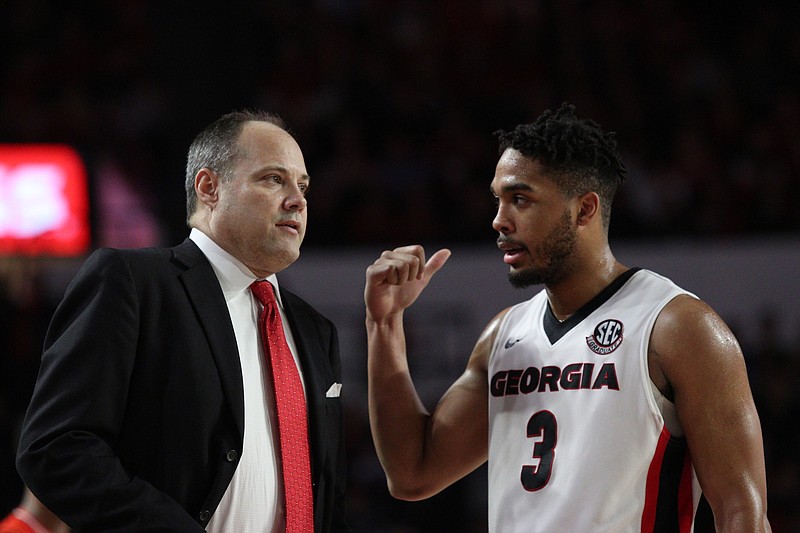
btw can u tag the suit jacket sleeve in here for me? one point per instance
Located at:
(67, 448)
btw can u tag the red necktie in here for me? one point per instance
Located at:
(292, 419)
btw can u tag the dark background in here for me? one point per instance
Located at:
(395, 104)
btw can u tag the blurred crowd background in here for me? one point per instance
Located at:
(395, 104)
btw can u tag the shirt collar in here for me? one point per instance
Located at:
(233, 275)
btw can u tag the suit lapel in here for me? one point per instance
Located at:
(311, 358)
(203, 290)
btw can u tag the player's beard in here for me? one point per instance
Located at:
(554, 252)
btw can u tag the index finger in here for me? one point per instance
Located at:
(414, 250)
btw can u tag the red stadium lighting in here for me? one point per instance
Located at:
(44, 201)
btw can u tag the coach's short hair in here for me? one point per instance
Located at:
(216, 148)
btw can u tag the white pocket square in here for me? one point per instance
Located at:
(334, 391)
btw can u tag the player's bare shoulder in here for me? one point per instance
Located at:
(689, 322)
(689, 334)
(483, 347)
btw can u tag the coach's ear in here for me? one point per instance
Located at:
(588, 208)
(206, 187)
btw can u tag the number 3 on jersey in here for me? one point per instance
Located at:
(541, 424)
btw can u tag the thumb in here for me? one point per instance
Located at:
(436, 262)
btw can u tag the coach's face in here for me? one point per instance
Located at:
(260, 214)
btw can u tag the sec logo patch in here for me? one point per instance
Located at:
(606, 338)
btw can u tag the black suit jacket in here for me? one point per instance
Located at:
(137, 419)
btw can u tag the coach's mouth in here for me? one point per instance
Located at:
(292, 226)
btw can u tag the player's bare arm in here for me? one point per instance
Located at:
(696, 359)
(420, 452)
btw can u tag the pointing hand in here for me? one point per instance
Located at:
(397, 278)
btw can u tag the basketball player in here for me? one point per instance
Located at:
(606, 403)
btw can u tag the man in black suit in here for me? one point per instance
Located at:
(154, 409)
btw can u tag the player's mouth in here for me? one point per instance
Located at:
(513, 250)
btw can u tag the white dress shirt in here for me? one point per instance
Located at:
(253, 502)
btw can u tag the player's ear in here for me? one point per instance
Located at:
(588, 208)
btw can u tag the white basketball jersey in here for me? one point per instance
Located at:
(577, 442)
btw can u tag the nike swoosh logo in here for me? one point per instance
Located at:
(510, 342)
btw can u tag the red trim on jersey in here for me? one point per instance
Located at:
(685, 500)
(653, 477)
(682, 498)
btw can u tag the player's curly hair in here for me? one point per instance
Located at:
(575, 152)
